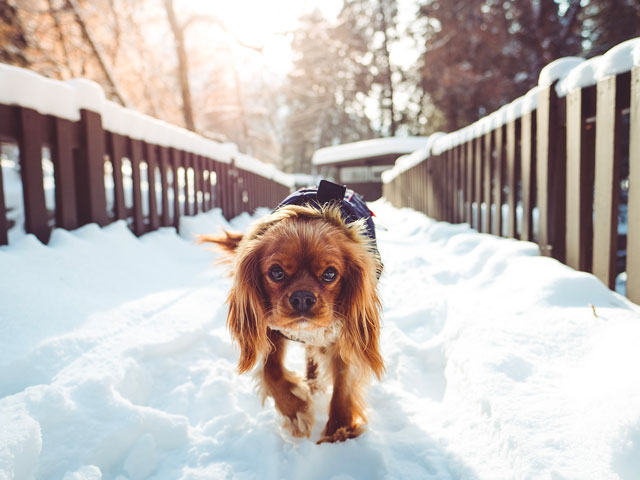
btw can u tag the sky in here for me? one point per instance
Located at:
(264, 24)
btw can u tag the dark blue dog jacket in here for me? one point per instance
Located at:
(352, 206)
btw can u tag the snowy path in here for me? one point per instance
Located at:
(115, 363)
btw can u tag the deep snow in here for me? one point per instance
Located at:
(115, 363)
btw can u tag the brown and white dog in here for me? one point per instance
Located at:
(305, 274)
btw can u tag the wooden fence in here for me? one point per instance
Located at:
(563, 175)
(81, 151)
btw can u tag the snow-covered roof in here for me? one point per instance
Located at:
(368, 148)
(408, 161)
(25, 88)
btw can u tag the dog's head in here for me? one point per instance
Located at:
(302, 268)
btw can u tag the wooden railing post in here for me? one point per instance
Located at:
(498, 180)
(4, 224)
(551, 176)
(528, 169)
(64, 175)
(135, 155)
(152, 162)
(176, 161)
(163, 163)
(92, 204)
(469, 187)
(117, 148)
(581, 105)
(488, 179)
(478, 190)
(512, 179)
(633, 233)
(612, 95)
(30, 136)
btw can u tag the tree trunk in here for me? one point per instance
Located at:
(183, 65)
(388, 91)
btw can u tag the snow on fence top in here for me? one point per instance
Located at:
(65, 99)
(368, 148)
(571, 73)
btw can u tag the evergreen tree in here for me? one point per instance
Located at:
(609, 22)
(324, 91)
(481, 55)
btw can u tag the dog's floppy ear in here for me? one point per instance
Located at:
(360, 341)
(226, 243)
(246, 319)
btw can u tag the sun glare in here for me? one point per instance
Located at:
(264, 24)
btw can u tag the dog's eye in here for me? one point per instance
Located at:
(329, 274)
(276, 274)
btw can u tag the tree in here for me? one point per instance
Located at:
(609, 22)
(375, 23)
(325, 91)
(13, 38)
(481, 55)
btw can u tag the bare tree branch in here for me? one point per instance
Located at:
(97, 52)
(211, 19)
(63, 43)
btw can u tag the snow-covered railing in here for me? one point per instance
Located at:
(93, 141)
(559, 166)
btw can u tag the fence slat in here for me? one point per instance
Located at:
(607, 177)
(135, 154)
(580, 173)
(478, 190)
(224, 190)
(30, 135)
(152, 162)
(512, 180)
(633, 233)
(176, 162)
(528, 169)
(4, 224)
(117, 148)
(487, 178)
(498, 176)
(469, 186)
(551, 176)
(163, 163)
(64, 176)
(186, 160)
(92, 203)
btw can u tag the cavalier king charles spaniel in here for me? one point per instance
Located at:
(305, 274)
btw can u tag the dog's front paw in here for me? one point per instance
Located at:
(297, 408)
(341, 434)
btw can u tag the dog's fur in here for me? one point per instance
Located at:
(340, 330)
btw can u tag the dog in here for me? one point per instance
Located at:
(308, 273)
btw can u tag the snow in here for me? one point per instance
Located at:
(618, 59)
(557, 70)
(23, 87)
(584, 75)
(405, 162)
(368, 148)
(28, 89)
(116, 364)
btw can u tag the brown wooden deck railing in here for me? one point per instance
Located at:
(79, 151)
(563, 160)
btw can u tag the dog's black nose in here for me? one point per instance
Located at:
(302, 300)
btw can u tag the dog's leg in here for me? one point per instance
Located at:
(346, 410)
(291, 395)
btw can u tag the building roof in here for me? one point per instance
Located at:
(379, 148)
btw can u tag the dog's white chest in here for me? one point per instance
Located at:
(318, 337)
